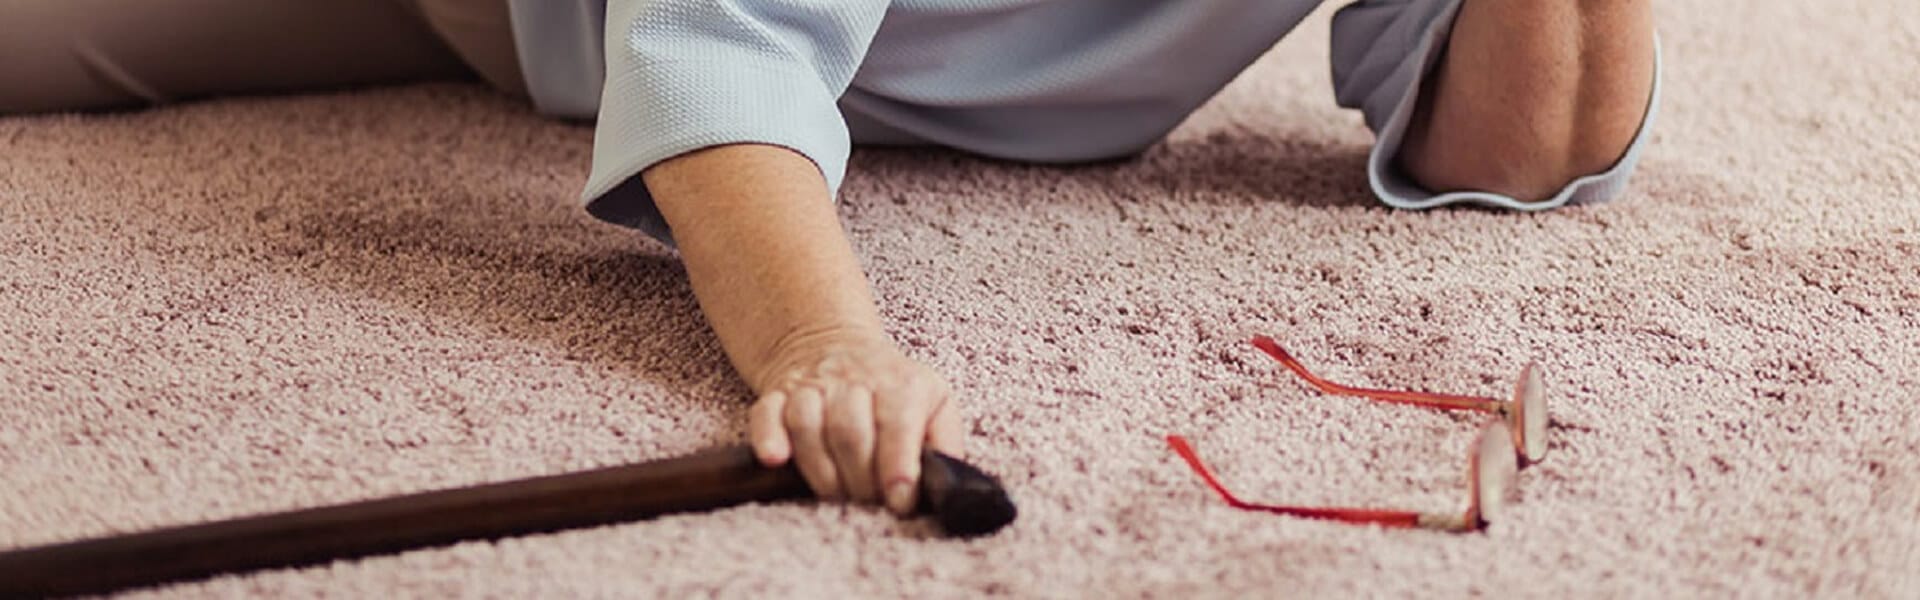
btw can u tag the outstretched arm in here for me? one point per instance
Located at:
(783, 290)
(719, 130)
(1532, 94)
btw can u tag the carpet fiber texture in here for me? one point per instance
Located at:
(248, 305)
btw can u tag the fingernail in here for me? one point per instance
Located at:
(769, 453)
(900, 496)
(770, 458)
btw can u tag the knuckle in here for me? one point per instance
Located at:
(768, 408)
(817, 466)
(892, 420)
(800, 416)
(844, 435)
(921, 388)
(928, 384)
(919, 377)
(824, 486)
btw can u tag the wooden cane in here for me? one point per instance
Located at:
(964, 500)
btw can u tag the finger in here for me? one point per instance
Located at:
(804, 422)
(850, 440)
(945, 433)
(900, 423)
(768, 432)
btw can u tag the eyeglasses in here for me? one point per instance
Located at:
(1491, 470)
(1525, 413)
(1492, 466)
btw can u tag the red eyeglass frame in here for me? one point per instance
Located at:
(1525, 413)
(1491, 470)
(1492, 466)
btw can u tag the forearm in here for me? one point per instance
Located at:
(1532, 94)
(763, 249)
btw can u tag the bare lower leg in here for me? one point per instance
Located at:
(1531, 94)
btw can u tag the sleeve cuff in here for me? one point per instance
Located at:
(1395, 189)
(665, 109)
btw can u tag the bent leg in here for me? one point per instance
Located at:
(1532, 95)
(69, 55)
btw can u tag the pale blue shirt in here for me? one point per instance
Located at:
(1032, 80)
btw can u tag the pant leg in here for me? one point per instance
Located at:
(68, 55)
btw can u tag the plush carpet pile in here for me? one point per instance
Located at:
(249, 305)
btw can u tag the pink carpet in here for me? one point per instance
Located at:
(251, 305)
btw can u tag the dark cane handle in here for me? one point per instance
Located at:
(966, 501)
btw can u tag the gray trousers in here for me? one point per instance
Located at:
(74, 55)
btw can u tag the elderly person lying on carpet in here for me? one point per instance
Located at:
(723, 127)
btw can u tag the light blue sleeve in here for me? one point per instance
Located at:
(1382, 50)
(689, 74)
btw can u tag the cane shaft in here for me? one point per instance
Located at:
(708, 480)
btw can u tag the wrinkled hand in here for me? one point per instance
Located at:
(853, 412)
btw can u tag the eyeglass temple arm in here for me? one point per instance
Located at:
(1386, 518)
(1441, 401)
